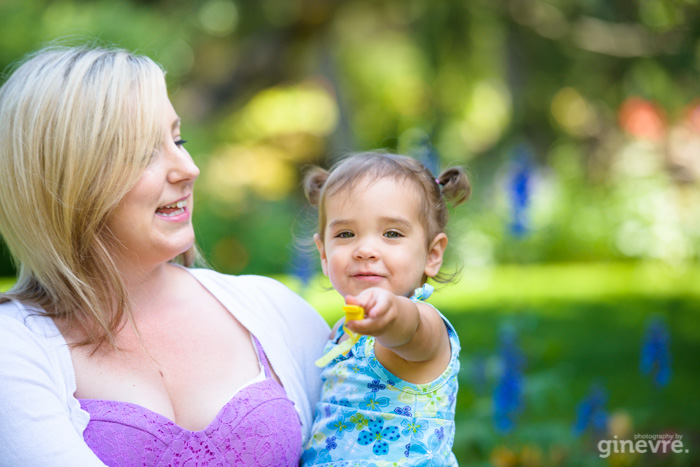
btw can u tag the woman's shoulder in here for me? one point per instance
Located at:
(13, 320)
(37, 376)
(31, 342)
(26, 333)
(18, 316)
(243, 285)
(12, 309)
(258, 292)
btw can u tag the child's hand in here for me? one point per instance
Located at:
(411, 339)
(392, 320)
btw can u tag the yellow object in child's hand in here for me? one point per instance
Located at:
(352, 312)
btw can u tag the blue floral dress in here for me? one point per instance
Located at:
(369, 417)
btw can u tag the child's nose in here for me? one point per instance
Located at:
(365, 251)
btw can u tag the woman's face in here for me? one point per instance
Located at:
(153, 222)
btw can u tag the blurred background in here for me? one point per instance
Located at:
(579, 124)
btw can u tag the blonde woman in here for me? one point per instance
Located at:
(112, 349)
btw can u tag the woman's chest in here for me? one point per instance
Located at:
(184, 368)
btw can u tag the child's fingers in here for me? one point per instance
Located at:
(368, 326)
(365, 326)
(376, 305)
(366, 301)
(351, 300)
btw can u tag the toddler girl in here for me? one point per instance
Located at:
(390, 400)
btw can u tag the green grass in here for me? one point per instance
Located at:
(522, 286)
(568, 346)
(576, 325)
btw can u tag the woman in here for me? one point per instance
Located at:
(110, 352)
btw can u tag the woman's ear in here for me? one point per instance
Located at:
(322, 253)
(436, 250)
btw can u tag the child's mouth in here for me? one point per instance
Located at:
(367, 276)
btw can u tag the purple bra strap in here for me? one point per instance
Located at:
(263, 357)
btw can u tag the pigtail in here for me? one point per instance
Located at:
(314, 179)
(455, 185)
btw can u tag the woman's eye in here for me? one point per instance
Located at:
(345, 235)
(180, 142)
(392, 234)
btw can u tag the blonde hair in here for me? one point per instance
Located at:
(78, 126)
(451, 186)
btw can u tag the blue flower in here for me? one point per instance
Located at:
(376, 385)
(311, 456)
(656, 356)
(343, 402)
(356, 369)
(423, 149)
(330, 443)
(440, 433)
(591, 412)
(430, 451)
(373, 403)
(405, 411)
(340, 425)
(377, 435)
(414, 428)
(519, 189)
(303, 265)
(507, 396)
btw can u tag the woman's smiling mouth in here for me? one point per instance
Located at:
(174, 211)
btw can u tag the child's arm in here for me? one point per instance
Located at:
(411, 338)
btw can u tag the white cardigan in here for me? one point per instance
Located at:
(41, 422)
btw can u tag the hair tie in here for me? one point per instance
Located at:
(440, 186)
(422, 293)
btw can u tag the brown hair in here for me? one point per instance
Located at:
(451, 186)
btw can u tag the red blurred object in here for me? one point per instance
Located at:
(692, 115)
(643, 119)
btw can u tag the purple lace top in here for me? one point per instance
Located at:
(258, 426)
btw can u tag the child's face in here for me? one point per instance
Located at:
(374, 238)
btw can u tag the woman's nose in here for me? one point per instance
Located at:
(183, 168)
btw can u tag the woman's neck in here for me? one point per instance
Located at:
(151, 291)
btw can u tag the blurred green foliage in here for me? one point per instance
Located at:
(602, 95)
(578, 121)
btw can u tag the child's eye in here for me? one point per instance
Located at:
(393, 234)
(344, 234)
